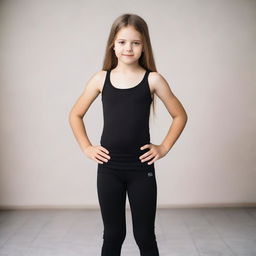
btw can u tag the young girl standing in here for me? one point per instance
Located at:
(126, 155)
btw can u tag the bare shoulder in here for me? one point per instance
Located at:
(91, 91)
(101, 76)
(162, 89)
(97, 80)
(158, 83)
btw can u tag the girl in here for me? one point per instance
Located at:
(126, 156)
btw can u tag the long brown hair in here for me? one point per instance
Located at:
(146, 59)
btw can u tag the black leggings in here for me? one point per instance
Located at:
(141, 188)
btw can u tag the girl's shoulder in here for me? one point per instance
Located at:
(100, 76)
(153, 79)
(96, 80)
(159, 83)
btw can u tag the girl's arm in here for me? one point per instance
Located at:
(162, 89)
(80, 107)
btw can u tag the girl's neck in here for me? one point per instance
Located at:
(128, 69)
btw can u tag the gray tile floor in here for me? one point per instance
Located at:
(179, 232)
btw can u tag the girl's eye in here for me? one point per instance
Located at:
(134, 42)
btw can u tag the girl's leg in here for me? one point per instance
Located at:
(142, 193)
(112, 197)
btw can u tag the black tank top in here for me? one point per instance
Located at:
(126, 123)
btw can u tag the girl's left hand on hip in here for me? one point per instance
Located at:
(155, 151)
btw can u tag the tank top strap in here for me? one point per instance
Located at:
(147, 73)
(108, 75)
(145, 79)
(107, 81)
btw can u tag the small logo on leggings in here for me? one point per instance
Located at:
(150, 174)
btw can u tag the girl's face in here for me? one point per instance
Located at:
(128, 45)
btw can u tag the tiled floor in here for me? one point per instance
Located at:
(179, 232)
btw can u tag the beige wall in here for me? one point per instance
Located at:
(204, 49)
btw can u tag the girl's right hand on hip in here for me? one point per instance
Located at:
(97, 153)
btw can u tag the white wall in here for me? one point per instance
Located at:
(204, 49)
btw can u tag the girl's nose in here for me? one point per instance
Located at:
(128, 47)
